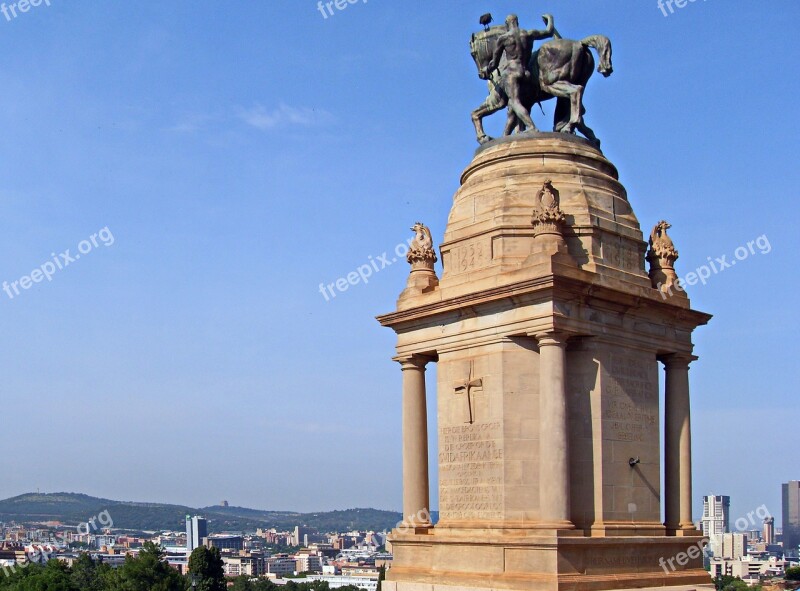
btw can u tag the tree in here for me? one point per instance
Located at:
(792, 574)
(381, 576)
(55, 576)
(242, 583)
(146, 572)
(206, 564)
(89, 575)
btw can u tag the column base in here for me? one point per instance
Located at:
(684, 531)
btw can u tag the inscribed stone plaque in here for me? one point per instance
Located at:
(471, 471)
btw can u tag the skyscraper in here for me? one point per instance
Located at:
(196, 530)
(768, 534)
(716, 520)
(791, 515)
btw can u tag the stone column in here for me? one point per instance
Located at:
(554, 497)
(677, 445)
(416, 490)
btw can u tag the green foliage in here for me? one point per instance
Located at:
(206, 566)
(728, 583)
(89, 575)
(54, 576)
(792, 574)
(242, 583)
(146, 572)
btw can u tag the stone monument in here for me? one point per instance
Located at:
(547, 332)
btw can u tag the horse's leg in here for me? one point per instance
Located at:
(561, 115)
(493, 103)
(588, 134)
(477, 119)
(574, 93)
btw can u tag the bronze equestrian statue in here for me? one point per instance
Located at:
(520, 77)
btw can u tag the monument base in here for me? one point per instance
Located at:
(394, 586)
(542, 560)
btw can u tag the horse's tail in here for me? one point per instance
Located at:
(602, 44)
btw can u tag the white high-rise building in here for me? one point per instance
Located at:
(716, 520)
(196, 530)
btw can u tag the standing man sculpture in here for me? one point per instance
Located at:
(517, 44)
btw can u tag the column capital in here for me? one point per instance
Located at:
(677, 360)
(413, 361)
(552, 338)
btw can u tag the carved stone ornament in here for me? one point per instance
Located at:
(422, 257)
(547, 215)
(421, 253)
(662, 256)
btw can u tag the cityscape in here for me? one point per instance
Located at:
(358, 295)
(750, 548)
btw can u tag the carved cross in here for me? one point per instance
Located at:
(466, 388)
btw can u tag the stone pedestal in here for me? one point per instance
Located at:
(547, 341)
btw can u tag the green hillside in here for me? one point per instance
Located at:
(73, 509)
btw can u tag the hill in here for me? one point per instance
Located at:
(73, 509)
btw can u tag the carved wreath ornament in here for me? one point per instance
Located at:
(547, 215)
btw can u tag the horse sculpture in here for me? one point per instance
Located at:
(559, 69)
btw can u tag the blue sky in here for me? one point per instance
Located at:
(242, 153)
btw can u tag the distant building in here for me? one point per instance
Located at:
(196, 530)
(252, 565)
(791, 515)
(716, 520)
(104, 541)
(768, 533)
(336, 581)
(748, 568)
(308, 562)
(281, 565)
(734, 546)
(304, 536)
(225, 542)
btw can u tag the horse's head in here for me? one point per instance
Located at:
(482, 46)
(480, 58)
